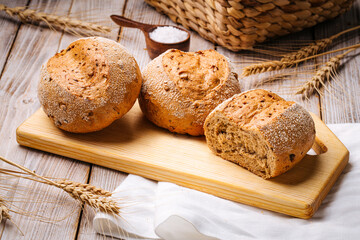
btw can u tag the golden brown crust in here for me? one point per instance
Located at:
(180, 89)
(280, 132)
(88, 85)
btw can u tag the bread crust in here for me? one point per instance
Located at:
(88, 85)
(180, 89)
(284, 131)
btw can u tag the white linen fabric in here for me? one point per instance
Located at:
(164, 210)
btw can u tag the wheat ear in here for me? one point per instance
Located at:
(5, 214)
(86, 194)
(306, 51)
(96, 201)
(322, 75)
(4, 211)
(85, 187)
(296, 57)
(315, 47)
(52, 20)
(278, 65)
(263, 67)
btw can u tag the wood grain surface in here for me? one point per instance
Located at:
(30, 49)
(23, 48)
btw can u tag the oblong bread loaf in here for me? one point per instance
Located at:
(261, 132)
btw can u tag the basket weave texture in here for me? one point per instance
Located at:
(240, 24)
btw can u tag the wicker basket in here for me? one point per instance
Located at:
(240, 24)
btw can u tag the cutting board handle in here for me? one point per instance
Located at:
(319, 147)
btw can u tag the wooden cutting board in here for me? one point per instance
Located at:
(134, 145)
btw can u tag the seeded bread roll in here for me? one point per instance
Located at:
(261, 132)
(87, 86)
(180, 89)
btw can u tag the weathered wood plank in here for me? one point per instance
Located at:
(8, 30)
(96, 12)
(18, 92)
(341, 102)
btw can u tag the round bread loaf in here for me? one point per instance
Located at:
(261, 132)
(180, 89)
(87, 86)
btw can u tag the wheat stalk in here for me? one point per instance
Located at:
(292, 59)
(52, 20)
(85, 193)
(80, 186)
(322, 75)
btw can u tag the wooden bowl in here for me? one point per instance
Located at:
(153, 47)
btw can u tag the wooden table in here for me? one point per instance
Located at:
(24, 48)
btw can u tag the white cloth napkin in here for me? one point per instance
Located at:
(152, 210)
